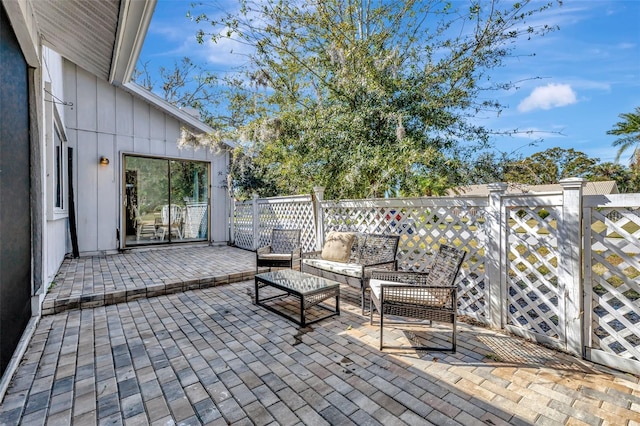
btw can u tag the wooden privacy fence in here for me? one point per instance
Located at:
(560, 268)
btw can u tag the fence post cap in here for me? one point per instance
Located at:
(572, 182)
(497, 186)
(319, 192)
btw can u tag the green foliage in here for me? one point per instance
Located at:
(627, 179)
(365, 100)
(487, 167)
(629, 129)
(550, 166)
(188, 181)
(151, 181)
(250, 177)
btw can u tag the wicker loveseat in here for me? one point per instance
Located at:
(349, 258)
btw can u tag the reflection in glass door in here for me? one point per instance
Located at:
(165, 200)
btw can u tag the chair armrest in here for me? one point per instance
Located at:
(406, 277)
(312, 255)
(418, 295)
(381, 261)
(386, 262)
(367, 270)
(263, 250)
(297, 253)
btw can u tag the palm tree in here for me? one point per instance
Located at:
(612, 171)
(629, 129)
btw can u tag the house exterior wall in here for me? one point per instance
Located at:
(108, 121)
(56, 228)
(41, 92)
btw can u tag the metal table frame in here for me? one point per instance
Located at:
(292, 283)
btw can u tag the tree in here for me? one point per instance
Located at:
(367, 100)
(629, 129)
(187, 84)
(623, 176)
(550, 166)
(190, 85)
(249, 177)
(487, 167)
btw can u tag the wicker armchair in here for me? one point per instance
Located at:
(283, 252)
(428, 296)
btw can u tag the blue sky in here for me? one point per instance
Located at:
(589, 69)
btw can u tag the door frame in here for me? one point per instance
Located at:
(123, 195)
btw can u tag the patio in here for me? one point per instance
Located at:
(171, 336)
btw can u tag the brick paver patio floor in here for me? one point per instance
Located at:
(210, 356)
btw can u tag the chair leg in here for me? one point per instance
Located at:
(370, 311)
(453, 339)
(381, 330)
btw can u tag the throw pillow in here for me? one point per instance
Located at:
(337, 246)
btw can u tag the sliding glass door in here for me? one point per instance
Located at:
(165, 200)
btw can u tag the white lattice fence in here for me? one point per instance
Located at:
(288, 213)
(612, 284)
(532, 291)
(195, 220)
(423, 225)
(524, 257)
(243, 224)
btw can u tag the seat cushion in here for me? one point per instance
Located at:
(337, 246)
(275, 256)
(414, 296)
(348, 269)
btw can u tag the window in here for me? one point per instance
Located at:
(59, 167)
(56, 159)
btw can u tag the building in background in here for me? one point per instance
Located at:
(590, 188)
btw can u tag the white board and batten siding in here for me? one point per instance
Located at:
(56, 229)
(108, 121)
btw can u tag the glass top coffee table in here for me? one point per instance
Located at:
(309, 290)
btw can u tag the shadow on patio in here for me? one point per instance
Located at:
(209, 356)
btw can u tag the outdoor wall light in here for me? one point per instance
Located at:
(104, 161)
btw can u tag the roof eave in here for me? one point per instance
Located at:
(133, 24)
(170, 109)
(22, 18)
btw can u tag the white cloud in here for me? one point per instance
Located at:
(221, 56)
(227, 51)
(547, 97)
(625, 46)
